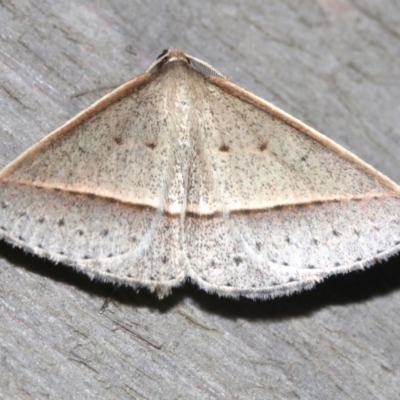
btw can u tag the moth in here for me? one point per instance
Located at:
(180, 174)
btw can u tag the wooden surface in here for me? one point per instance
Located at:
(332, 63)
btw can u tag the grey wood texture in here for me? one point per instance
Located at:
(332, 63)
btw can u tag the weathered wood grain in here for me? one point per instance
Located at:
(333, 64)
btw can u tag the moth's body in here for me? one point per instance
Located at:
(181, 174)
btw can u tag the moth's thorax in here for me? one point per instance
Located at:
(184, 89)
(182, 103)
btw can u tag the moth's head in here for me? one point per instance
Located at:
(169, 56)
